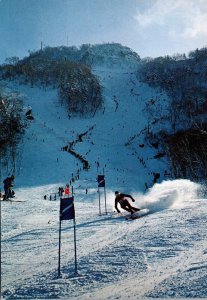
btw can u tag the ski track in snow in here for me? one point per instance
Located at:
(113, 251)
(162, 254)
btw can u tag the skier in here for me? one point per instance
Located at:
(60, 191)
(124, 203)
(67, 189)
(8, 184)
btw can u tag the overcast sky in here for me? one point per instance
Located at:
(149, 27)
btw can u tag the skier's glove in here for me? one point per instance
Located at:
(133, 200)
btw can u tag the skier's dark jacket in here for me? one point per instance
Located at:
(120, 197)
(8, 182)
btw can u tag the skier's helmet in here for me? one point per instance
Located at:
(116, 193)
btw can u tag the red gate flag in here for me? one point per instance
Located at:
(101, 181)
(67, 210)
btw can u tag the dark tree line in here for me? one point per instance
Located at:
(184, 81)
(12, 120)
(12, 125)
(187, 153)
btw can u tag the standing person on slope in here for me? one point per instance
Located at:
(8, 184)
(124, 203)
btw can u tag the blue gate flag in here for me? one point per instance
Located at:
(101, 181)
(67, 210)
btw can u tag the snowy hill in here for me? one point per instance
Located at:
(109, 142)
(112, 55)
(162, 254)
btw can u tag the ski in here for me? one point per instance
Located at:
(131, 217)
(138, 214)
(11, 200)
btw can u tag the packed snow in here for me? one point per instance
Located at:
(161, 254)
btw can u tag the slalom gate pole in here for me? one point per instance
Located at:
(75, 248)
(105, 191)
(99, 201)
(59, 248)
(105, 199)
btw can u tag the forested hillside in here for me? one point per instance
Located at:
(180, 125)
(13, 121)
(176, 114)
(78, 88)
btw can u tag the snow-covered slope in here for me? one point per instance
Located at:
(161, 254)
(121, 119)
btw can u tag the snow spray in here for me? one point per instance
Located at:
(172, 193)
